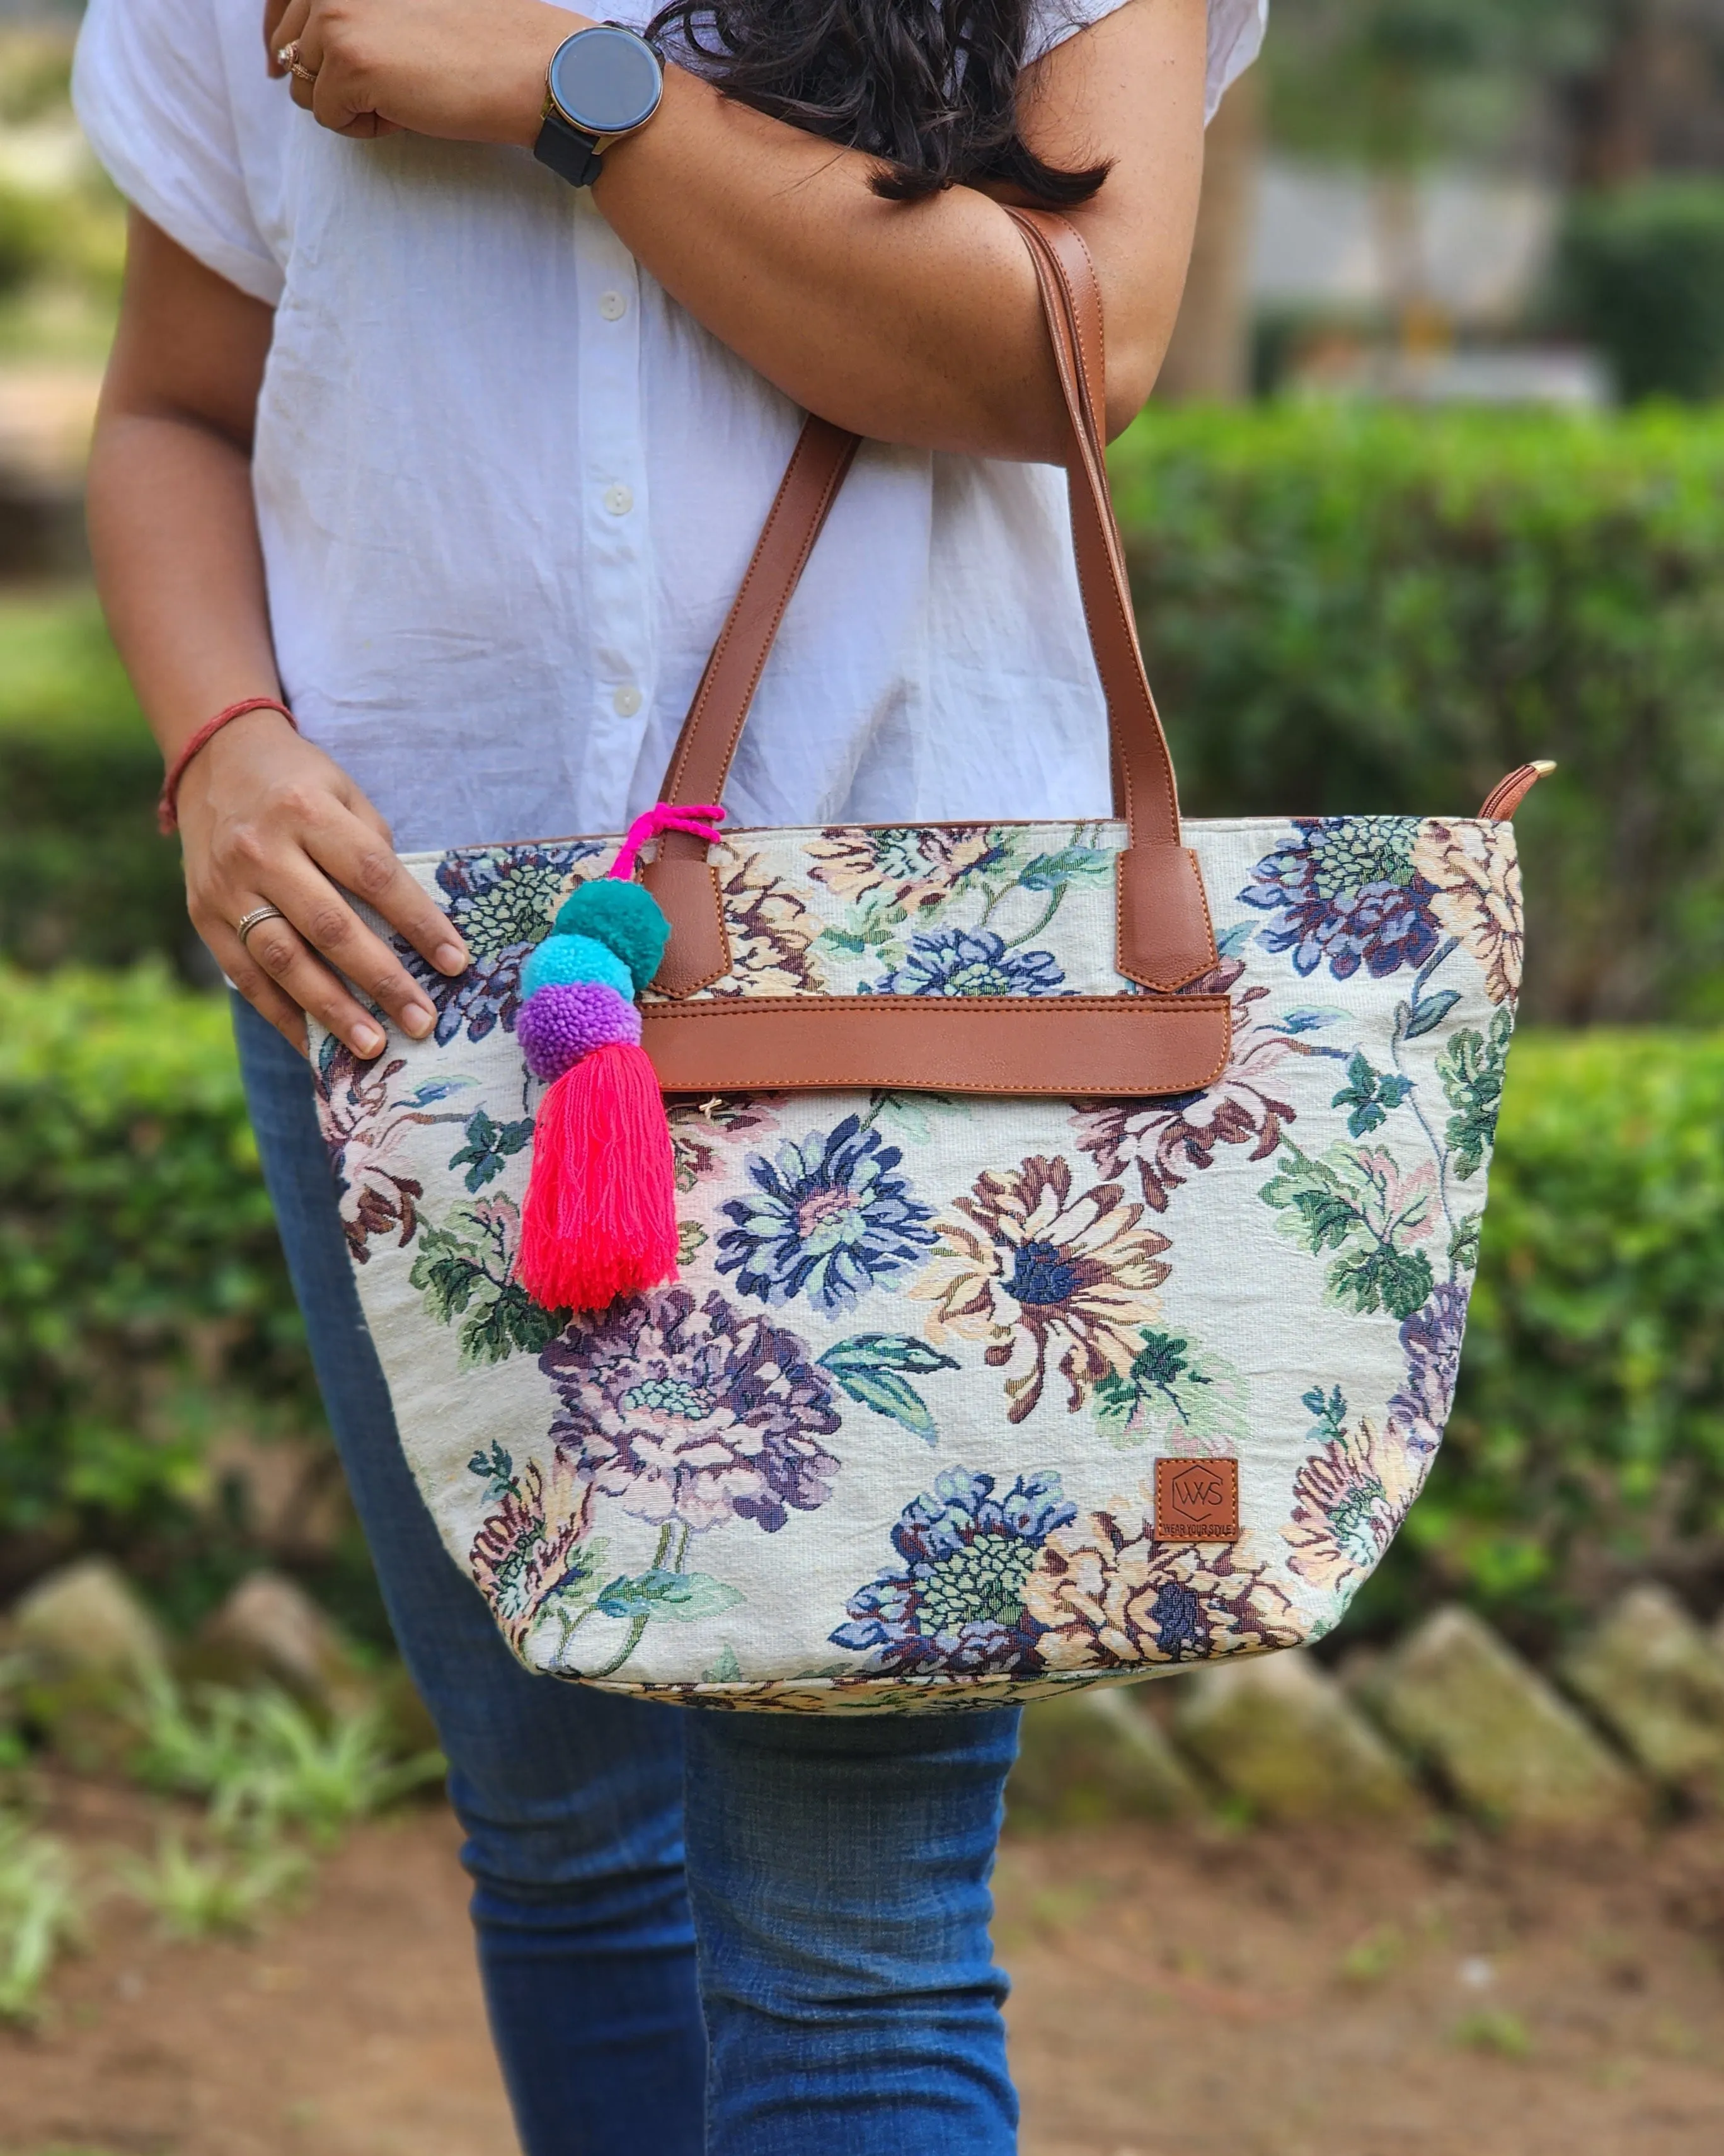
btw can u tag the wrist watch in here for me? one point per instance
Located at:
(603, 84)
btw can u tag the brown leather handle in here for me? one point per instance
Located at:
(1165, 937)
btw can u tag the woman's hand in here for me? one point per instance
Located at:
(267, 819)
(470, 71)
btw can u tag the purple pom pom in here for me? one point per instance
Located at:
(561, 1023)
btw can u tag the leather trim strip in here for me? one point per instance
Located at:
(1128, 1048)
(1508, 793)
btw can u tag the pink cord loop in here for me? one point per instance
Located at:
(701, 819)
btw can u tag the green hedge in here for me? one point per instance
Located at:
(1587, 1444)
(143, 1306)
(1357, 610)
(84, 877)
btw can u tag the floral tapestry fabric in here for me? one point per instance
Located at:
(891, 1440)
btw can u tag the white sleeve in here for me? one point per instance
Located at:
(164, 91)
(1236, 29)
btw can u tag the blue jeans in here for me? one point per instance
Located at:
(700, 1933)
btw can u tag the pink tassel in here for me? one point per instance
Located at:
(600, 1215)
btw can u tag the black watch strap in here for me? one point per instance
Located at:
(569, 153)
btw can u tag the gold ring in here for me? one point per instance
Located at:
(258, 914)
(288, 56)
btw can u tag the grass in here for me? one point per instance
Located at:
(266, 1770)
(1374, 1957)
(263, 1763)
(223, 1892)
(40, 1915)
(1494, 2029)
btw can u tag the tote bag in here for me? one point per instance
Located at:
(1076, 1220)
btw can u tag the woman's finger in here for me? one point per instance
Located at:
(275, 949)
(284, 21)
(324, 919)
(300, 27)
(259, 990)
(277, 14)
(362, 860)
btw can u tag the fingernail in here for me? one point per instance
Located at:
(419, 1018)
(366, 1040)
(450, 958)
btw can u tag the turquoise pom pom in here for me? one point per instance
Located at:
(561, 959)
(624, 917)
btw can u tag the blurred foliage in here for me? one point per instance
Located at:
(1640, 276)
(29, 238)
(1394, 84)
(265, 1762)
(1353, 610)
(218, 1893)
(83, 875)
(35, 72)
(41, 1913)
(145, 1310)
(62, 223)
(142, 1300)
(1587, 1444)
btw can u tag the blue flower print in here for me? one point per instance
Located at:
(1346, 891)
(829, 1218)
(958, 1604)
(969, 962)
(502, 900)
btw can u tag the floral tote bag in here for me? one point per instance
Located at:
(1075, 1221)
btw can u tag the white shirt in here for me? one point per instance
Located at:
(507, 487)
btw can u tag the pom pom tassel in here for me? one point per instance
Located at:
(599, 1218)
(600, 1215)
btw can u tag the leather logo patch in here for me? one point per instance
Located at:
(1197, 1501)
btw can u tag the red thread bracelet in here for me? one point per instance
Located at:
(167, 805)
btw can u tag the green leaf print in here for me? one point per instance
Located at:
(1369, 1095)
(1360, 1205)
(914, 1116)
(462, 1268)
(1399, 1281)
(1471, 1071)
(659, 1592)
(489, 1145)
(1464, 1243)
(1172, 1393)
(873, 928)
(870, 1367)
(1427, 1014)
(1071, 865)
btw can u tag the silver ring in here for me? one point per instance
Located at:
(244, 926)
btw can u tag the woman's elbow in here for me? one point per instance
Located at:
(1134, 353)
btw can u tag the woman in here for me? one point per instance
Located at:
(465, 459)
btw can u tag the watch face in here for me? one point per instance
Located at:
(606, 80)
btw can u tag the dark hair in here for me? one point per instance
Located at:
(930, 87)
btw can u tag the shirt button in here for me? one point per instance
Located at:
(625, 700)
(619, 500)
(613, 306)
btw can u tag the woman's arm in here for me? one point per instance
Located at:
(264, 817)
(916, 324)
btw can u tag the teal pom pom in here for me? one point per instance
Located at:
(561, 959)
(624, 917)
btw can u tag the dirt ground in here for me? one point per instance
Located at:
(1176, 1993)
